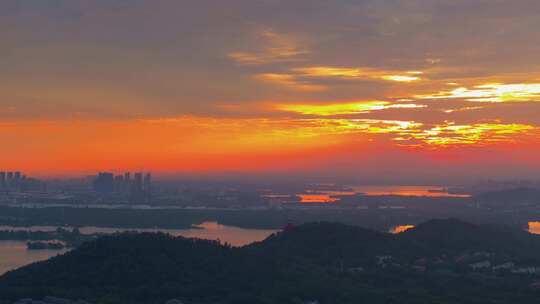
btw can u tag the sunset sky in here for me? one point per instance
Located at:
(385, 89)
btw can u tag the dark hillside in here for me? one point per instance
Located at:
(440, 261)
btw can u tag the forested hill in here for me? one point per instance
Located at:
(441, 261)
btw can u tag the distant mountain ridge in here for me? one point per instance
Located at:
(440, 261)
(523, 194)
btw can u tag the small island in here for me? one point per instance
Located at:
(39, 245)
(61, 238)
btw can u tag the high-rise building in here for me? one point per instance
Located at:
(126, 184)
(119, 183)
(138, 183)
(22, 186)
(104, 183)
(16, 181)
(2, 180)
(9, 180)
(147, 187)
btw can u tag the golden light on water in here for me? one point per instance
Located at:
(400, 229)
(534, 227)
(317, 198)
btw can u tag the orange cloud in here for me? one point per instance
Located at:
(289, 82)
(449, 134)
(343, 108)
(279, 48)
(358, 73)
(298, 78)
(493, 92)
(462, 109)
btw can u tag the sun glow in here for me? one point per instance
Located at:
(305, 131)
(484, 133)
(400, 78)
(190, 142)
(344, 108)
(462, 109)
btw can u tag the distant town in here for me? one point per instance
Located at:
(138, 189)
(18, 182)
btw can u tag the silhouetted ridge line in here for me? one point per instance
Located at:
(440, 261)
(522, 194)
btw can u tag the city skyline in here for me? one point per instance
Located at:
(383, 90)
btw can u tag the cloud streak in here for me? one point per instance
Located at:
(359, 107)
(279, 49)
(494, 93)
(359, 73)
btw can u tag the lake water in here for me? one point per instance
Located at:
(431, 191)
(207, 231)
(400, 229)
(13, 254)
(533, 227)
(324, 196)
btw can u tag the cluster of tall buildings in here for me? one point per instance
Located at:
(16, 181)
(137, 186)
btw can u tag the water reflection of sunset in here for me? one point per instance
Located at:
(332, 196)
(431, 191)
(400, 229)
(534, 227)
(317, 198)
